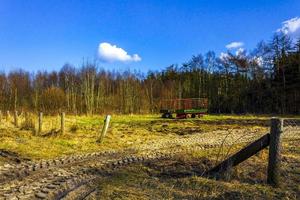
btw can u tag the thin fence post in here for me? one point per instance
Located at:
(62, 123)
(16, 118)
(40, 123)
(26, 117)
(104, 129)
(274, 152)
(0, 115)
(7, 115)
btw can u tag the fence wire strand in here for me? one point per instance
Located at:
(291, 129)
(290, 154)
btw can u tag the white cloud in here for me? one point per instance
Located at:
(291, 27)
(112, 53)
(234, 45)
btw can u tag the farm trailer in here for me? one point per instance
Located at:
(184, 108)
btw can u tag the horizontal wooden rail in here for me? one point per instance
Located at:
(242, 155)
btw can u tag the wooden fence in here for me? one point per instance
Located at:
(62, 119)
(271, 140)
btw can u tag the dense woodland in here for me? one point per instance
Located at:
(264, 80)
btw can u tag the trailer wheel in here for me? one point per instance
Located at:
(168, 115)
(193, 116)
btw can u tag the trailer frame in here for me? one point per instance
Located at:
(184, 108)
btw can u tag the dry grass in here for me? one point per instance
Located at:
(124, 131)
(160, 180)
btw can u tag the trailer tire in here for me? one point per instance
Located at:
(193, 115)
(166, 115)
(169, 115)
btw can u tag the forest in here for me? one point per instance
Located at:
(264, 80)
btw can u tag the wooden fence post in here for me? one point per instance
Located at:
(62, 123)
(274, 152)
(7, 115)
(40, 123)
(104, 129)
(26, 117)
(16, 118)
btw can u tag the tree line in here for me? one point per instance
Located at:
(264, 80)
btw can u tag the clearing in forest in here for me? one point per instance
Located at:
(141, 157)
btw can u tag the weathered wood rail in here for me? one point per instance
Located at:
(272, 140)
(242, 155)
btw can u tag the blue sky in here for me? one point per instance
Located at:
(45, 34)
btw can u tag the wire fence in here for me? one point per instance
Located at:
(290, 153)
(291, 128)
(233, 137)
(217, 146)
(47, 125)
(262, 162)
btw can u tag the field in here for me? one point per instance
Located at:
(141, 157)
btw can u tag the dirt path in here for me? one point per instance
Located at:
(68, 177)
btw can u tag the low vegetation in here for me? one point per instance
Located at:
(177, 178)
(124, 131)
